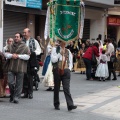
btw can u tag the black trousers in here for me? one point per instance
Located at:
(28, 83)
(66, 87)
(111, 69)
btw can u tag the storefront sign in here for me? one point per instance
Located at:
(26, 3)
(113, 21)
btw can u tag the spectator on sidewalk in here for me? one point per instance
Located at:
(9, 41)
(18, 54)
(110, 50)
(34, 46)
(87, 57)
(39, 57)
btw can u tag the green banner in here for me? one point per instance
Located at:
(52, 20)
(67, 22)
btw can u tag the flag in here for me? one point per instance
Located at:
(67, 22)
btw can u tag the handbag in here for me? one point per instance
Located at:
(113, 57)
(93, 60)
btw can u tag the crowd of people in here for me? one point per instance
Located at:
(104, 53)
(22, 55)
(18, 61)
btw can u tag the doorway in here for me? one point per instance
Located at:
(112, 32)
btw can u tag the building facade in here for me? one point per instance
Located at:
(113, 21)
(96, 13)
(16, 18)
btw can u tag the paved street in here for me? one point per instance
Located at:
(96, 101)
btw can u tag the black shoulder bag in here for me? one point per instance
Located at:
(93, 60)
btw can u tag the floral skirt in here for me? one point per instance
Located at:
(80, 65)
(117, 64)
(3, 84)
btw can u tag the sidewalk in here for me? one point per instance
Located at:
(105, 102)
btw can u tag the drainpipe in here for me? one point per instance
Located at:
(1, 25)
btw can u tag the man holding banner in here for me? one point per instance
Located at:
(64, 22)
(62, 64)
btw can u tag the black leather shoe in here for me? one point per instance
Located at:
(57, 108)
(108, 78)
(16, 101)
(11, 99)
(25, 95)
(83, 72)
(49, 89)
(114, 79)
(30, 96)
(71, 107)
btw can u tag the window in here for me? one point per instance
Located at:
(117, 1)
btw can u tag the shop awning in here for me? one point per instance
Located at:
(24, 10)
(99, 4)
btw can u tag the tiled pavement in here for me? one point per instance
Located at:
(95, 100)
(105, 102)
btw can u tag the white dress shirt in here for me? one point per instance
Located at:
(37, 46)
(110, 50)
(20, 56)
(57, 56)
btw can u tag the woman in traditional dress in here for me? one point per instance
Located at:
(74, 53)
(80, 62)
(3, 74)
(117, 64)
(47, 68)
(9, 41)
(39, 57)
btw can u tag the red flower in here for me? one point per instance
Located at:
(41, 63)
(78, 57)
